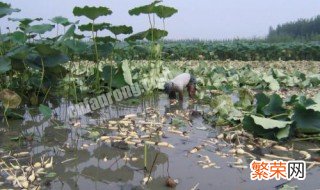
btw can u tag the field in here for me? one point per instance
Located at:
(91, 113)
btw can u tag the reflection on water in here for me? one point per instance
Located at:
(84, 163)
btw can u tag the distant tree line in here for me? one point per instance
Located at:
(300, 30)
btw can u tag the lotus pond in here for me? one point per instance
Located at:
(243, 111)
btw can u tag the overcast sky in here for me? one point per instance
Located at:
(196, 19)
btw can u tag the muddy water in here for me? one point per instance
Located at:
(100, 166)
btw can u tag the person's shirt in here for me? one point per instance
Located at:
(181, 80)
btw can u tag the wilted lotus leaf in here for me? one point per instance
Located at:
(273, 83)
(222, 104)
(10, 99)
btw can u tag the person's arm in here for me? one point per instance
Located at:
(180, 95)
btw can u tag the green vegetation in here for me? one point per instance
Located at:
(38, 68)
(244, 50)
(301, 30)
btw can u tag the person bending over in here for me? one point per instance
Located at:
(177, 85)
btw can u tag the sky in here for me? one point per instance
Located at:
(196, 19)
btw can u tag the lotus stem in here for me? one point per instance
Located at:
(154, 161)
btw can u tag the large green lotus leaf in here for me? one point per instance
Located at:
(60, 20)
(18, 37)
(55, 60)
(265, 127)
(283, 133)
(108, 72)
(105, 49)
(164, 11)
(46, 49)
(5, 9)
(156, 34)
(150, 34)
(146, 9)
(96, 27)
(70, 33)
(76, 46)
(303, 100)
(121, 29)
(24, 21)
(19, 52)
(267, 123)
(39, 28)
(5, 65)
(126, 72)
(274, 107)
(137, 36)
(118, 80)
(91, 12)
(79, 36)
(306, 120)
(273, 83)
(10, 99)
(250, 126)
(106, 39)
(262, 101)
